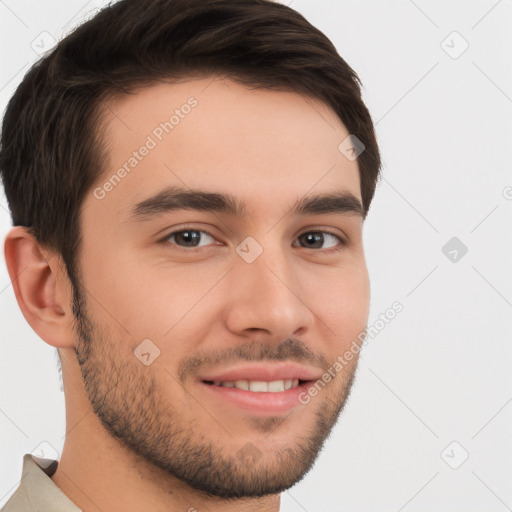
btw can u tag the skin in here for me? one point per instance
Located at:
(149, 437)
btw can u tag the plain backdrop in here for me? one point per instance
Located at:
(428, 424)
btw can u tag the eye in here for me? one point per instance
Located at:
(191, 238)
(188, 237)
(314, 239)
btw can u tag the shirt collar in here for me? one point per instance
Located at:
(37, 491)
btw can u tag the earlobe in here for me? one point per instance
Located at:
(38, 285)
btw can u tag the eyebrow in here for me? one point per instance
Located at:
(173, 198)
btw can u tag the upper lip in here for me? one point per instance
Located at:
(265, 372)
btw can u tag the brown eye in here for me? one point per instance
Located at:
(317, 239)
(187, 238)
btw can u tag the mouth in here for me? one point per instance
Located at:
(256, 397)
(258, 386)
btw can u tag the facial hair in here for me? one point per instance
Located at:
(136, 408)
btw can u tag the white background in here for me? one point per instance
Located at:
(441, 370)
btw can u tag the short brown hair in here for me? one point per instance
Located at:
(51, 154)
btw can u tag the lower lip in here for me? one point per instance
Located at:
(260, 402)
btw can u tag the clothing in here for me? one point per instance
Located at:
(36, 491)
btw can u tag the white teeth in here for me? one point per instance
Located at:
(259, 386)
(242, 384)
(276, 385)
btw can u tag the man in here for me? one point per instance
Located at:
(188, 182)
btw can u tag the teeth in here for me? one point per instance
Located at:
(259, 386)
(242, 384)
(227, 384)
(276, 385)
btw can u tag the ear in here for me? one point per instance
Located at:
(41, 287)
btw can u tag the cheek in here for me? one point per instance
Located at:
(152, 300)
(344, 305)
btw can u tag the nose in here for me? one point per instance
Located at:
(267, 300)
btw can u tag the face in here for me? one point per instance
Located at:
(220, 288)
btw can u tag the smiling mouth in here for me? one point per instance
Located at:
(259, 386)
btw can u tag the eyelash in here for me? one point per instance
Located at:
(340, 247)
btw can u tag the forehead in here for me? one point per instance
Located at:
(215, 134)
